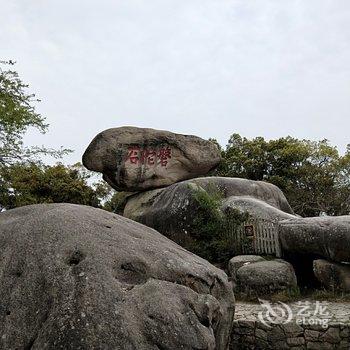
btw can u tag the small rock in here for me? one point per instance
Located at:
(280, 345)
(296, 341)
(333, 276)
(345, 333)
(261, 334)
(243, 331)
(250, 339)
(343, 345)
(246, 324)
(276, 334)
(292, 329)
(331, 336)
(319, 346)
(311, 334)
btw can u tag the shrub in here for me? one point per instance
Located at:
(212, 229)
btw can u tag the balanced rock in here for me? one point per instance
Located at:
(332, 276)
(326, 237)
(75, 277)
(137, 159)
(172, 210)
(265, 277)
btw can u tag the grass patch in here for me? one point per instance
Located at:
(285, 296)
(296, 294)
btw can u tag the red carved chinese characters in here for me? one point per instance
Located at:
(133, 154)
(149, 156)
(163, 155)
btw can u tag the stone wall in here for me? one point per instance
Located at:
(255, 335)
(250, 333)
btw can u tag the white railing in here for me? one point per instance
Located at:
(255, 236)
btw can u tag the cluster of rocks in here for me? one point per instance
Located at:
(254, 275)
(162, 170)
(75, 277)
(327, 240)
(171, 210)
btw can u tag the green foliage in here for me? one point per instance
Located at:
(314, 177)
(23, 179)
(34, 183)
(212, 240)
(116, 202)
(17, 114)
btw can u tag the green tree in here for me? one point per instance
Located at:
(17, 114)
(313, 175)
(34, 183)
(116, 201)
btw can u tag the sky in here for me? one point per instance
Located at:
(210, 68)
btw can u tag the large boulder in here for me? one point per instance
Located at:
(75, 277)
(137, 159)
(265, 277)
(257, 208)
(241, 260)
(332, 276)
(325, 237)
(172, 210)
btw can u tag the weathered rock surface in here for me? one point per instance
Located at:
(257, 208)
(326, 237)
(332, 275)
(75, 277)
(266, 277)
(240, 260)
(137, 159)
(171, 210)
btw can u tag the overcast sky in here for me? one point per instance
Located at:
(204, 67)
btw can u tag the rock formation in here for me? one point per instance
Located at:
(241, 260)
(253, 274)
(136, 159)
(326, 237)
(75, 277)
(163, 166)
(256, 208)
(171, 210)
(333, 276)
